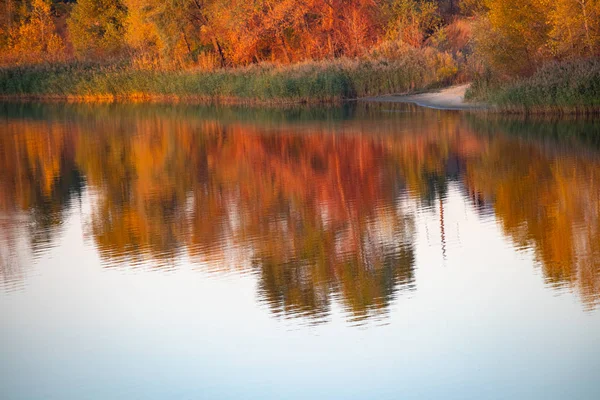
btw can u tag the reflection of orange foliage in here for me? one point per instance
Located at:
(34, 158)
(311, 208)
(304, 205)
(550, 203)
(36, 180)
(278, 202)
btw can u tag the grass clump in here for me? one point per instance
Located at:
(322, 81)
(571, 87)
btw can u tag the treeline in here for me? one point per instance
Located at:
(210, 49)
(492, 41)
(516, 37)
(538, 56)
(214, 33)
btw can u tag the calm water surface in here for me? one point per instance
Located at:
(380, 252)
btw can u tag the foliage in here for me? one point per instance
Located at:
(186, 33)
(96, 27)
(512, 35)
(516, 37)
(472, 7)
(413, 21)
(403, 45)
(34, 38)
(575, 28)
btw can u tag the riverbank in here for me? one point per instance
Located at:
(558, 88)
(450, 98)
(571, 87)
(310, 82)
(566, 88)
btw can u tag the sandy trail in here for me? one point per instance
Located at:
(451, 98)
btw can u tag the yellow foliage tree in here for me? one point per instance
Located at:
(413, 21)
(141, 34)
(514, 35)
(35, 39)
(575, 28)
(96, 27)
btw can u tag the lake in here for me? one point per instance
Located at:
(357, 252)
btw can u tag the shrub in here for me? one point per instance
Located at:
(572, 86)
(323, 81)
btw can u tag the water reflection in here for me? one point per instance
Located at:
(38, 179)
(320, 205)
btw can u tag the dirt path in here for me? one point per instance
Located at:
(451, 98)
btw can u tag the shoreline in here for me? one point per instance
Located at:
(141, 98)
(446, 99)
(449, 98)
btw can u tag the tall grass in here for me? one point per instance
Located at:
(565, 87)
(324, 81)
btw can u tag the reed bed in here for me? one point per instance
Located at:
(571, 87)
(324, 81)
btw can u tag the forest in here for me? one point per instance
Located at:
(517, 52)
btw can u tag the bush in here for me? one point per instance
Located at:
(572, 86)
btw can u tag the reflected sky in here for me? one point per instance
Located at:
(154, 251)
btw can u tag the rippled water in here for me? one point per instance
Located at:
(366, 251)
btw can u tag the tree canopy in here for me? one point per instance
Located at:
(512, 37)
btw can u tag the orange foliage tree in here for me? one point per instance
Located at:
(35, 39)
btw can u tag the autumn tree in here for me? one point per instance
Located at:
(413, 21)
(472, 7)
(511, 38)
(97, 27)
(575, 28)
(141, 34)
(174, 31)
(261, 30)
(35, 38)
(10, 12)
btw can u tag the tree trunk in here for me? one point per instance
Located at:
(218, 48)
(285, 51)
(588, 38)
(187, 44)
(203, 20)
(9, 14)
